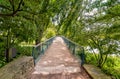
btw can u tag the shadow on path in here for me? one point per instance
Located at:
(58, 63)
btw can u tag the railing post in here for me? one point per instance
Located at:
(33, 55)
(82, 56)
(75, 49)
(40, 48)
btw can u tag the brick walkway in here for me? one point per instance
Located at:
(58, 63)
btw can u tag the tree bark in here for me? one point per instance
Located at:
(104, 60)
(7, 47)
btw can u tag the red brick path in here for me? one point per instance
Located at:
(58, 63)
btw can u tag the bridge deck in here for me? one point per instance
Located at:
(58, 63)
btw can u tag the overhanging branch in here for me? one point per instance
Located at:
(5, 7)
(14, 11)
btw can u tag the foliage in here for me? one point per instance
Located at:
(100, 29)
(2, 54)
(15, 30)
(19, 21)
(24, 50)
(111, 66)
(2, 62)
(90, 59)
(93, 23)
(50, 32)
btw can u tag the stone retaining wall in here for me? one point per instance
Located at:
(95, 72)
(17, 69)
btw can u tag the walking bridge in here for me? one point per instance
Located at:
(57, 58)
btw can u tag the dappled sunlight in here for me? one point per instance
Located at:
(58, 60)
(58, 39)
(60, 36)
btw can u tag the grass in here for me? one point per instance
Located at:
(111, 67)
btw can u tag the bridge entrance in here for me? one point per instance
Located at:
(58, 62)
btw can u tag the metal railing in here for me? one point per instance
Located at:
(75, 49)
(39, 49)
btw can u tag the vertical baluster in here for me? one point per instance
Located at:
(42, 48)
(33, 54)
(74, 49)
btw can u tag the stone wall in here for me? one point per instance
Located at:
(95, 72)
(17, 69)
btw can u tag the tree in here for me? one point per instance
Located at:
(101, 30)
(11, 7)
(13, 26)
(93, 26)
(14, 31)
(26, 20)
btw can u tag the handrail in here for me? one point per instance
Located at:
(44, 42)
(39, 49)
(71, 41)
(75, 49)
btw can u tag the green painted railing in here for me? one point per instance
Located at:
(75, 49)
(39, 50)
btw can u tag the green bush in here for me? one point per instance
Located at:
(90, 58)
(111, 67)
(21, 50)
(2, 62)
(24, 50)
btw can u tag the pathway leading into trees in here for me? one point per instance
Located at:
(58, 63)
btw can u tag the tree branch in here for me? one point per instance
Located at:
(14, 11)
(12, 4)
(5, 7)
(19, 6)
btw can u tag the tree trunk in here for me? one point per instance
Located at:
(7, 54)
(99, 60)
(37, 41)
(7, 47)
(104, 60)
(93, 51)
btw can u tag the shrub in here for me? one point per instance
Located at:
(21, 50)
(90, 59)
(2, 62)
(111, 66)
(24, 50)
